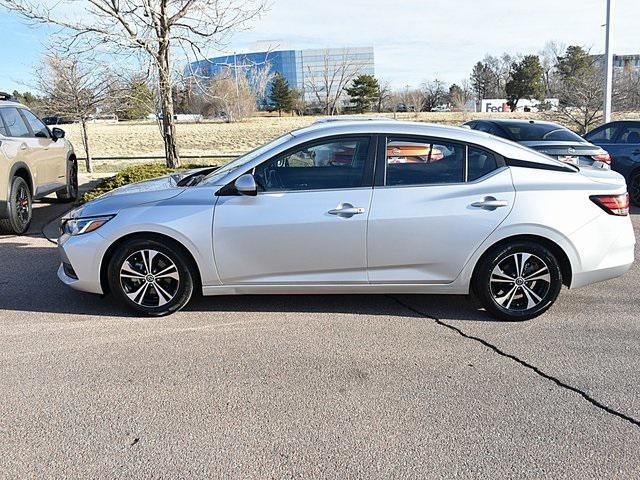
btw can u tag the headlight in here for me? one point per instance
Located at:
(78, 226)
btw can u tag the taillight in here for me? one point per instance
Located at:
(603, 157)
(613, 204)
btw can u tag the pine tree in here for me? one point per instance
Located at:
(281, 96)
(363, 92)
(526, 81)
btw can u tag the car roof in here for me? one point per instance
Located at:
(502, 146)
(516, 121)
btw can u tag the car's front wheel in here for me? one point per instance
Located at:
(518, 281)
(19, 208)
(151, 277)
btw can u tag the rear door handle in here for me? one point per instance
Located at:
(490, 203)
(636, 152)
(346, 210)
(23, 146)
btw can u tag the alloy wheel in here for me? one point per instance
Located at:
(520, 281)
(149, 278)
(22, 205)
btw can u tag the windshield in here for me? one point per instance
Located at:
(524, 132)
(239, 162)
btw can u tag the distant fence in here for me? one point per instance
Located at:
(162, 157)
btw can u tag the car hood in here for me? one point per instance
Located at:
(149, 191)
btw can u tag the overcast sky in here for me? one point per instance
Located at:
(414, 40)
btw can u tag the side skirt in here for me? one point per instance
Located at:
(319, 289)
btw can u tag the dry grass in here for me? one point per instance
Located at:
(143, 138)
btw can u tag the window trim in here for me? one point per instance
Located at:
(381, 163)
(367, 177)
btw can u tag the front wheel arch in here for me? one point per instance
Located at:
(106, 258)
(558, 252)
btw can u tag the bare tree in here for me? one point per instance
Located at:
(77, 88)
(434, 93)
(328, 82)
(549, 57)
(413, 99)
(384, 95)
(154, 28)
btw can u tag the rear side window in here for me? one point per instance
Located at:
(481, 163)
(411, 162)
(14, 122)
(39, 128)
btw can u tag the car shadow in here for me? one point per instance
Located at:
(29, 283)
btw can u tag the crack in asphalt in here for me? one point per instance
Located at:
(523, 363)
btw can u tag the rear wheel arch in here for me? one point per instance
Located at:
(558, 252)
(22, 170)
(159, 237)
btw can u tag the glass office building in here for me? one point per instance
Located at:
(303, 69)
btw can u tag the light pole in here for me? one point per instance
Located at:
(608, 53)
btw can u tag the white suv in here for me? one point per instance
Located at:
(34, 162)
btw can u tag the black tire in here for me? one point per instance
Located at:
(179, 288)
(19, 206)
(634, 188)
(502, 286)
(70, 193)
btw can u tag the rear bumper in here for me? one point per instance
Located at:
(4, 209)
(606, 248)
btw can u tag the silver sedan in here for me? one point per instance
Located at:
(358, 207)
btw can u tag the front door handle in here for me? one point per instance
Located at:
(636, 152)
(346, 210)
(490, 203)
(23, 146)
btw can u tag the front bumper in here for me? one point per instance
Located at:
(83, 253)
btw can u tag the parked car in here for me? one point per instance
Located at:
(546, 137)
(489, 217)
(622, 141)
(49, 121)
(34, 162)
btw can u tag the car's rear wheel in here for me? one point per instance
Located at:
(151, 277)
(634, 188)
(19, 208)
(518, 281)
(70, 193)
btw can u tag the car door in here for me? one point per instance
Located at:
(434, 203)
(50, 154)
(308, 222)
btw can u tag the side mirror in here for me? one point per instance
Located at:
(246, 185)
(57, 133)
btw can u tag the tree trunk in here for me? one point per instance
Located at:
(85, 143)
(166, 103)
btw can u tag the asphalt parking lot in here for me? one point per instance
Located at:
(312, 386)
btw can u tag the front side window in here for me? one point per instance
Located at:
(630, 135)
(333, 164)
(39, 128)
(606, 134)
(411, 162)
(14, 123)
